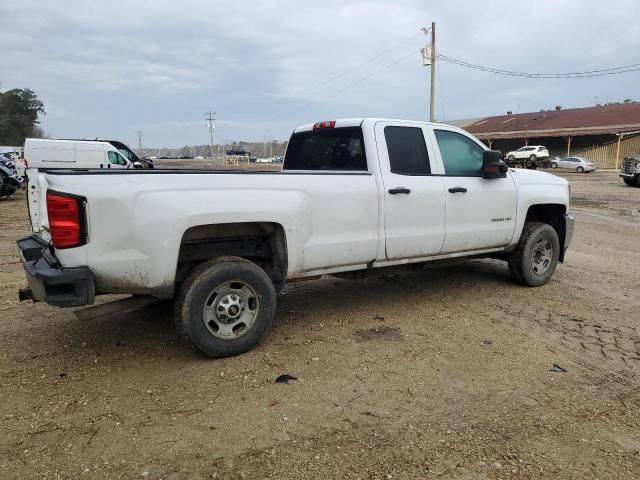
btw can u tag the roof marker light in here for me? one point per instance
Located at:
(325, 124)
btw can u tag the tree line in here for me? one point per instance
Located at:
(258, 149)
(20, 110)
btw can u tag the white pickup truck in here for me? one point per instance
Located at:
(353, 196)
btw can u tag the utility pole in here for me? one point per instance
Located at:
(432, 112)
(140, 142)
(209, 117)
(429, 59)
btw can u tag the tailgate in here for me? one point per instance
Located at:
(37, 204)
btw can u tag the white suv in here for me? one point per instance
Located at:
(530, 152)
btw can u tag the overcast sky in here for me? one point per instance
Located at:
(111, 68)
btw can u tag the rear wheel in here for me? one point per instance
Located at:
(580, 169)
(535, 259)
(225, 307)
(531, 162)
(554, 165)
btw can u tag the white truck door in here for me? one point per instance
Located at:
(480, 213)
(413, 195)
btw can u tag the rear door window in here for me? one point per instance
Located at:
(339, 149)
(407, 151)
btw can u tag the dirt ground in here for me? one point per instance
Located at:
(449, 373)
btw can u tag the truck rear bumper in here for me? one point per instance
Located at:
(50, 282)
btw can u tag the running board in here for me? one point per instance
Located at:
(129, 304)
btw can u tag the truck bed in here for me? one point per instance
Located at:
(135, 228)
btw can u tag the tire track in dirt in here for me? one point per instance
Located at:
(612, 349)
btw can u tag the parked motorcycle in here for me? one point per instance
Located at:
(10, 181)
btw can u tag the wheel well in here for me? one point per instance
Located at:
(263, 243)
(552, 214)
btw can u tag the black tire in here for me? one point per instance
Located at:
(580, 169)
(521, 260)
(554, 165)
(6, 190)
(631, 183)
(202, 284)
(511, 158)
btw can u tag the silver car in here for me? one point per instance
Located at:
(577, 164)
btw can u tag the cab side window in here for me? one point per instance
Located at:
(116, 159)
(407, 151)
(462, 157)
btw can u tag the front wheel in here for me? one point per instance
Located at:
(632, 183)
(225, 307)
(535, 259)
(580, 169)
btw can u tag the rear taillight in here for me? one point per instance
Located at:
(326, 124)
(66, 220)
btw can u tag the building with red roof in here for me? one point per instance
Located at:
(604, 133)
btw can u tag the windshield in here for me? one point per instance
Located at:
(128, 154)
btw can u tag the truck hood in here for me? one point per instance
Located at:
(533, 177)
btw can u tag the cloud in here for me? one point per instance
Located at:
(111, 68)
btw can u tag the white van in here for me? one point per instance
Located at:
(43, 153)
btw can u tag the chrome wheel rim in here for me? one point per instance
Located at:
(231, 310)
(541, 256)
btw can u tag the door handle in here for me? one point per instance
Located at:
(395, 191)
(457, 190)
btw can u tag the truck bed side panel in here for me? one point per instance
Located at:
(136, 222)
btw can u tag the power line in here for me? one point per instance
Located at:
(586, 74)
(413, 53)
(352, 69)
(612, 70)
(220, 138)
(330, 80)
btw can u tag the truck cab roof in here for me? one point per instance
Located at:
(356, 122)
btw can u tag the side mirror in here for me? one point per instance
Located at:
(492, 165)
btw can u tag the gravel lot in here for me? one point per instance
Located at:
(442, 374)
